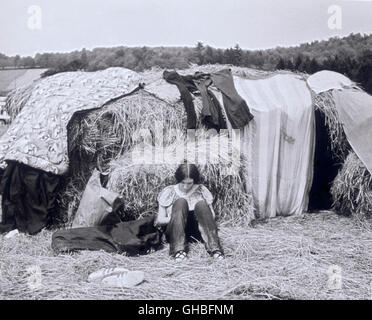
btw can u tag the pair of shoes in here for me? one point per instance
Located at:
(117, 277)
(180, 256)
(218, 255)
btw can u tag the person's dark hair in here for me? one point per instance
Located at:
(185, 171)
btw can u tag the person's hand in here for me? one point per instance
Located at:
(161, 221)
(162, 217)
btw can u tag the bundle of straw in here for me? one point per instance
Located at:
(97, 137)
(339, 145)
(104, 134)
(140, 183)
(352, 188)
(17, 99)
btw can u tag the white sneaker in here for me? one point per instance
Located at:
(105, 272)
(127, 279)
(11, 234)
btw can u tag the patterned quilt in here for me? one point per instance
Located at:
(38, 135)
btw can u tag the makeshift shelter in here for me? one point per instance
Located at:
(349, 118)
(88, 120)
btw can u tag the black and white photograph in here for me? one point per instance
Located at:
(166, 151)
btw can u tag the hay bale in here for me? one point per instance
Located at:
(104, 134)
(352, 188)
(140, 183)
(97, 137)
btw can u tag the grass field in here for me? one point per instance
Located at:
(12, 79)
(8, 76)
(282, 258)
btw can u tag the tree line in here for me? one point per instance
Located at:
(351, 56)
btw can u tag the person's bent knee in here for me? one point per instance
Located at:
(202, 204)
(180, 205)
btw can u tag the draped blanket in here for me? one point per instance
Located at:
(279, 143)
(354, 108)
(38, 135)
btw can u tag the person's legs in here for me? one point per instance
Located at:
(176, 227)
(207, 227)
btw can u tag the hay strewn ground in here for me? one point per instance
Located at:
(283, 258)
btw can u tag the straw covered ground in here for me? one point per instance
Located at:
(283, 258)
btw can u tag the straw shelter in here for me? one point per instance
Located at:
(278, 150)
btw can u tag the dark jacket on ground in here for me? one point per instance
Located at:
(131, 237)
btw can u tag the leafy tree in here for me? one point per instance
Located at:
(236, 55)
(17, 60)
(298, 65)
(209, 57)
(289, 65)
(84, 59)
(313, 66)
(281, 64)
(199, 56)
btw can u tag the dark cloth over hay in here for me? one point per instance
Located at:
(28, 198)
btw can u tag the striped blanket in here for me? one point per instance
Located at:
(278, 143)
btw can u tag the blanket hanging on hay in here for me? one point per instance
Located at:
(354, 108)
(326, 80)
(38, 135)
(279, 143)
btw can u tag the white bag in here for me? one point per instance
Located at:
(97, 202)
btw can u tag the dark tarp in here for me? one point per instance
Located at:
(131, 237)
(28, 198)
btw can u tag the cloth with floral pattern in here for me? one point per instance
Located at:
(38, 135)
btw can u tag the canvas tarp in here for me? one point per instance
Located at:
(328, 80)
(38, 135)
(354, 108)
(278, 143)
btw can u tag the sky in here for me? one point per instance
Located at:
(68, 25)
